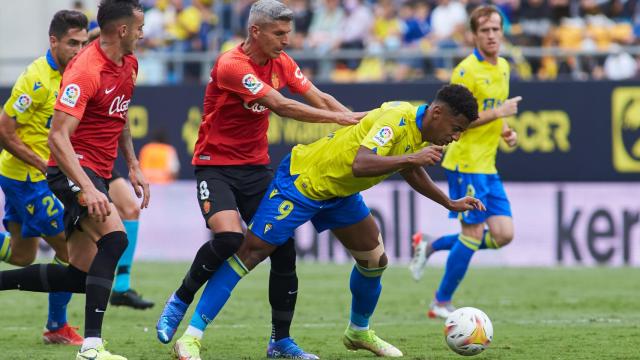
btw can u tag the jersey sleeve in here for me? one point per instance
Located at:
(26, 97)
(385, 132)
(240, 79)
(296, 81)
(463, 76)
(76, 90)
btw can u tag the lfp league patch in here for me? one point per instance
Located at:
(384, 135)
(251, 83)
(70, 95)
(23, 102)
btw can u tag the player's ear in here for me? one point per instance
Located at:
(53, 41)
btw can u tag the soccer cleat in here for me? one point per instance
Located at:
(287, 349)
(65, 335)
(440, 309)
(170, 318)
(368, 340)
(187, 348)
(421, 253)
(98, 353)
(130, 298)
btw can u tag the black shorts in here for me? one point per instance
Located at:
(68, 193)
(238, 187)
(115, 175)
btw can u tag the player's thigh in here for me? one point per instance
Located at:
(82, 250)
(59, 244)
(122, 197)
(23, 250)
(501, 228)
(96, 229)
(217, 201)
(364, 242)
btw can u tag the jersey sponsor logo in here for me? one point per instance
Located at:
(23, 102)
(384, 135)
(251, 83)
(37, 85)
(255, 108)
(300, 76)
(70, 95)
(119, 105)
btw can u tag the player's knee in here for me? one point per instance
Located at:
(503, 239)
(283, 259)
(225, 244)
(130, 212)
(370, 259)
(114, 243)
(19, 259)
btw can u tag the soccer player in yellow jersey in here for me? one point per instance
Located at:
(322, 181)
(470, 163)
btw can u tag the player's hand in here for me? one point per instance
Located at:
(428, 156)
(96, 202)
(509, 107)
(510, 137)
(466, 203)
(140, 186)
(350, 118)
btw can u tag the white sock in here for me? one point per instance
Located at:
(195, 332)
(91, 343)
(359, 328)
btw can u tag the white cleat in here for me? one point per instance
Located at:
(440, 309)
(418, 262)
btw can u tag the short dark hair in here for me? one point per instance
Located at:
(460, 100)
(480, 12)
(112, 10)
(64, 20)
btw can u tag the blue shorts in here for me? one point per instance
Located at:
(283, 208)
(33, 206)
(485, 187)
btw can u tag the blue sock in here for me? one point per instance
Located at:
(445, 242)
(58, 302)
(365, 292)
(123, 270)
(5, 246)
(217, 292)
(457, 264)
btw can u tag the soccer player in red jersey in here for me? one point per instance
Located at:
(89, 122)
(231, 159)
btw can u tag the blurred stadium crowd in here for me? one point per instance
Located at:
(400, 40)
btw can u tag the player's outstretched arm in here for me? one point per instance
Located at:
(138, 181)
(296, 110)
(62, 126)
(13, 144)
(369, 164)
(421, 182)
(322, 100)
(508, 108)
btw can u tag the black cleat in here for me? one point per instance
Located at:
(131, 299)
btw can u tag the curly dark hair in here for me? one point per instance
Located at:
(460, 100)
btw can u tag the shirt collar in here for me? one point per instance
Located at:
(51, 61)
(420, 115)
(479, 56)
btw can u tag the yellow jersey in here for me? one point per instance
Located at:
(324, 167)
(475, 151)
(31, 106)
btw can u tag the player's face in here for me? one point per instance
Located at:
(488, 36)
(273, 37)
(65, 48)
(133, 32)
(444, 127)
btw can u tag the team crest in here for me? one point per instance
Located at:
(70, 95)
(275, 82)
(251, 83)
(383, 136)
(267, 228)
(22, 103)
(206, 207)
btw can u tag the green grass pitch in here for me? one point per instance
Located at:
(570, 313)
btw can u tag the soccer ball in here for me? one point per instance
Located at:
(468, 331)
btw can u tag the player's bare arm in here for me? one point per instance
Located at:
(369, 164)
(508, 108)
(322, 100)
(138, 181)
(302, 112)
(62, 126)
(13, 144)
(418, 178)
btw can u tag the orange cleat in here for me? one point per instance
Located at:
(66, 335)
